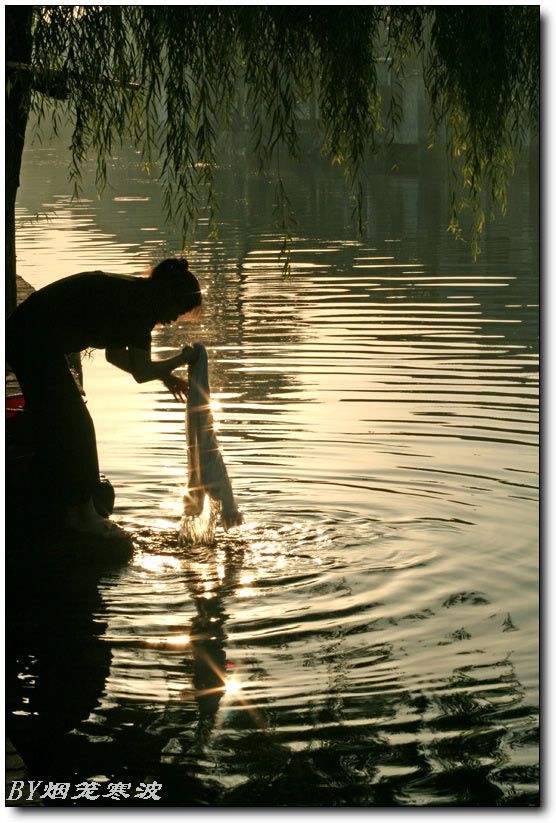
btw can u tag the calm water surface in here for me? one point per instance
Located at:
(369, 636)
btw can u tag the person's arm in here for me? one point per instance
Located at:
(138, 363)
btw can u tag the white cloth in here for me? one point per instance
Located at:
(207, 473)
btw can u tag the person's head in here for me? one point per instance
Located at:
(176, 291)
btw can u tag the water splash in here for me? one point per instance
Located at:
(200, 529)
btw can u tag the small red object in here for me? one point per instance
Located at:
(14, 405)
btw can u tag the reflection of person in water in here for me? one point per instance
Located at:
(57, 660)
(91, 310)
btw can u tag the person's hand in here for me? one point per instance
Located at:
(189, 354)
(177, 387)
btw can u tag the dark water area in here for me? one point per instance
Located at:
(369, 636)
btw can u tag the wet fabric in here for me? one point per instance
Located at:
(207, 474)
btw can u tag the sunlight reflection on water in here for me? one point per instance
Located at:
(373, 624)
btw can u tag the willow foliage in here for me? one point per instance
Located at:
(167, 77)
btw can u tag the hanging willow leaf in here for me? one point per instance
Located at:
(166, 78)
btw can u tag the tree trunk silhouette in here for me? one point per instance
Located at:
(18, 95)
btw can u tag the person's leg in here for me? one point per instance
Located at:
(65, 442)
(77, 455)
(75, 438)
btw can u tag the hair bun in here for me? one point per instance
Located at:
(178, 265)
(171, 267)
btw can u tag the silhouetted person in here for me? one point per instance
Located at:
(91, 310)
